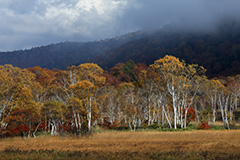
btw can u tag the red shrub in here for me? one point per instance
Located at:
(20, 122)
(203, 125)
(64, 128)
(191, 114)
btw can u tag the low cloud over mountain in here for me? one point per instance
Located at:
(27, 23)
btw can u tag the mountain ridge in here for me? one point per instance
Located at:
(218, 51)
(64, 54)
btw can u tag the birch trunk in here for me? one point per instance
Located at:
(89, 115)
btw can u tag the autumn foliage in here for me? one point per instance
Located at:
(169, 93)
(21, 122)
(204, 125)
(191, 114)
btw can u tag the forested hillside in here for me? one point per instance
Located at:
(64, 54)
(218, 51)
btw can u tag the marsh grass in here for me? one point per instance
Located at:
(60, 155)
(219, 144)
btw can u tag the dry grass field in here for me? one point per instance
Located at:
(219, 144)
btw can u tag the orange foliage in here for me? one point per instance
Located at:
(191, 114)
(20, 122)
(43, 75)
(204, 125)
(111, 80)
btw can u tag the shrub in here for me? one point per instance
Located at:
(153, 126)
(191, 115)
(203, 125)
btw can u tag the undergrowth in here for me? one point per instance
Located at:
(61, 155)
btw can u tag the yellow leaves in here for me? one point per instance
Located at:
(76, 104)
(81, 81)
(168, 64)
(83, 85)
(187, 86)
(172, 66)
(215, 84)
(90, 68)
(23, 93)
(178, 74)
(2, 76)
(23, 98)
(143, 73)
(72, 86)
(54, 109)
(91, 72)
(195, 69)
(88, 71)
(83, 88)
(202, 68)
(17, 74)
(126, 86)
(13, 77)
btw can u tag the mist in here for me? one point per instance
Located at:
(190, 14)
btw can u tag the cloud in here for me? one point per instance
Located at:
(27, 23)
(59, 20)
(194, 13)
(83, 16)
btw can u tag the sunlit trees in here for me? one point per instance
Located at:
(147, 83)
(223, 103)
(16, 88)
(171, 70)
(212, 88)
(23, 122)
(223, 96)
(182, 83)
(81, 82)
(126, 91)
(93, 74)
(167, 93)
(234, 88)
(6, 91)
(55, 116)
(110, 107)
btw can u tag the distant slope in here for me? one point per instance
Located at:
(64, 54)
(218, 51)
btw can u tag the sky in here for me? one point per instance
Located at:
(30, 23)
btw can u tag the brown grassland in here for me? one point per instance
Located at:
(221, 144)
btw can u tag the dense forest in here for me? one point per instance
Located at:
(218, 50)
(64, 54)
(169, 93)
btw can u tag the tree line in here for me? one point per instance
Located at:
(168, 92)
